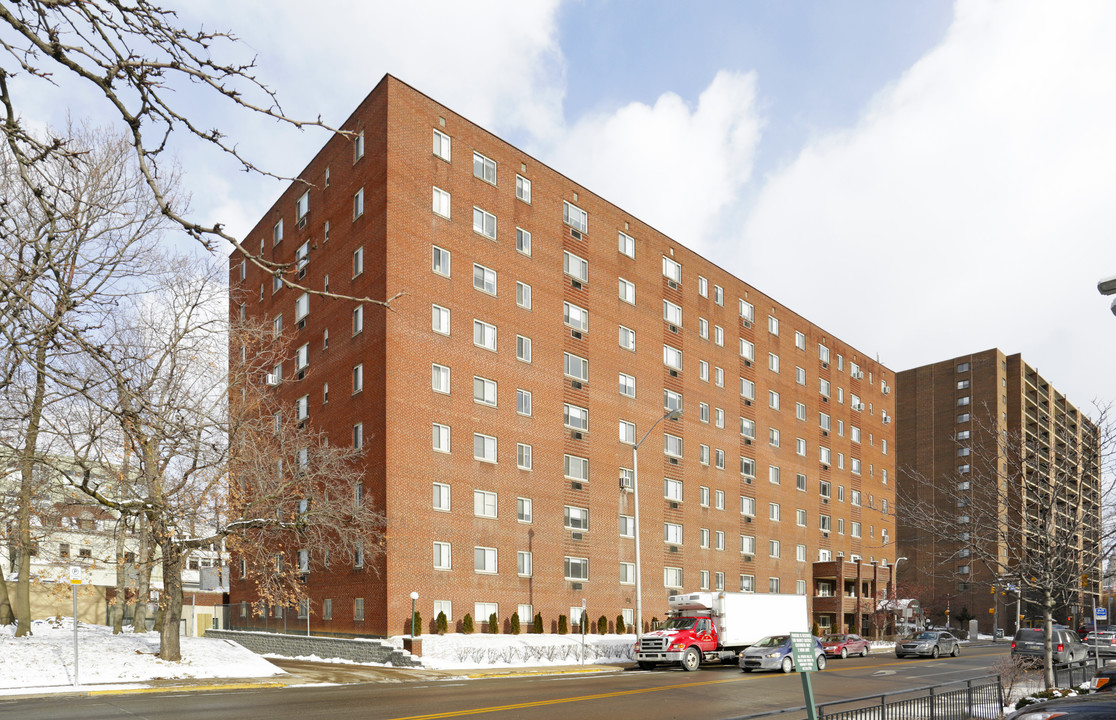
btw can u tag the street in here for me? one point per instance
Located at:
(712, 692)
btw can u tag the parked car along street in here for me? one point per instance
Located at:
(838, 645)
(1078, 707)
(1101, 643)
(1105, 679)
(1065, 645)
(931, 643)
(774, 653)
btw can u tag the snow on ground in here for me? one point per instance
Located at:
(45, 660)
(455, 651)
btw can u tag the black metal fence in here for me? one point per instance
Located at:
(1074, 673)
(979, 697)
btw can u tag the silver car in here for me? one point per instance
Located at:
(931, 642)
(775, 653)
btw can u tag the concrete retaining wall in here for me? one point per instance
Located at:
(361, 651)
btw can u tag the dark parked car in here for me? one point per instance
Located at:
(1102, 643)
(1066, 646)
(929, 642)
(1078, 707)
(838, 645)
(1105, 679)
(774, 653)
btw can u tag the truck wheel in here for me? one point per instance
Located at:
(821, 662)
(644, 665)
(788, 664)
(844, 653)
(691, 659)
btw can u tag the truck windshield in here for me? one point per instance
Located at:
(679, 624)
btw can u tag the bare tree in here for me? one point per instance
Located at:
(1020, 513)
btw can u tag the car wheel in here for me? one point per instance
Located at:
(821, 662)
(955, 651)
(844, 653)
(691, 659)
(864, 651)
(934, 652)
(643, 665)
(745, 669)
(788, 664)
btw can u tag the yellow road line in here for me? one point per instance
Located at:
(187, 688)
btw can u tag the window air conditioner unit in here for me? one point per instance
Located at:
(825, 398)
(673, 505)
(301, 324)
(575, 384)
(302, 373)
(625, 483)
(858, 407)
(747, 518)
(576, 586)
(825, 534)
(748, 403)
(674, 373)
(302, 222)
(747, 558)
(747, 363)
(886, 420)
(673, 548)
(748, 481)
(575, 435)
(575, 334)
(825, 501)
(747, 441)
(674, 461)
(825, 366)
(575, 234)
(747, 324)
(271, 379)
(674, 328)
(575, 284)
(577, 536)
(575, 485)
(671, 284)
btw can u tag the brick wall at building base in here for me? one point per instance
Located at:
(361, 651)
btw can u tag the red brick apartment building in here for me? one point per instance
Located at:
(970, 424)
(540, 331)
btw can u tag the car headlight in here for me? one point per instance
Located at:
(773, 655)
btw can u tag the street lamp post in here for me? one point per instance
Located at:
(672, 415)
(414, 596)
(895, 592)
(1107, 286)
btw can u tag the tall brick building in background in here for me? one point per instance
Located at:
(966, 424)
(538, 332)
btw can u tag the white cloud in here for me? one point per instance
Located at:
(970, 207)
(676, 167)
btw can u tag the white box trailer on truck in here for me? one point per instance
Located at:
(707, 626)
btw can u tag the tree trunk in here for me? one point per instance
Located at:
(120, 602)
(143, 583)
(171, 603)
(6, 614)
(26, 483)
(1047, 638)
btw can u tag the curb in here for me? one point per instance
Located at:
(539, 671)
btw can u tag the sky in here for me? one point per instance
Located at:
(923, 180)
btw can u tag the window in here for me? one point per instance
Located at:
(748, 428)
(703, 454)
(856, 529)
(441, 261)
(523, 563)
(963, 400)
(627, 432)
(627, 573)
(484, 448)
(522, 241)
(747, 583)
(772, 362)
(747, 350)
(440, 378)
(963, 417)
(358, 146)
(627, 529)
(718, 336)
(576, 518)
(575, 316)
(773, 399)
(627, 385)
(575, 267)
(627, 338)
(358, 378)
(800, 411)
(772, 325)
(773, 585)
(800, 556)
(703, 496)
(719, 459)
(439, 320)
(358, 204)
(825, 455)
(773, 474)
(800, 482)
(719, 377)
(672, 489)
(672, 577)
(747, 506)
(440, 202)
(962, 384)
(523, 348)
(484, 223)
(484, 335)
(523, 510)
(718, 540)
(823, 353)
(672, 357)
(627, 245)
(484, 168)
(627, 291)
(800, 518)
(824, 523)
(672, 313)
(800, 447)
(774, 512)
(854, 466)
(703, 371)
(484, 560)
(962, 435)
(854, 433)
(575, 217)
(276, 235)
(672, 445)
(484, 504)
(854, 498)
(484, 391)
(576, 417)
(672, 270)
(523, 456)
(302, 357)
(523, 189)
(576, 367)
(800, 340)
(748, 544)
(442, 556)
(441, 438)
(800, 375)
(358, 562)
(703, 327)
(576, 468)
(963, 367)
(747, 389)
(442, 150)
(577, 568)
(523, 295)
(441, 499)
(523, 402)
(358, 605)
(672, 534)
(773, 437)
(718, 295)
(823, 387)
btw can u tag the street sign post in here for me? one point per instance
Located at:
(802, 650)
(75, 580)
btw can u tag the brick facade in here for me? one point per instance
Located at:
(397, 406)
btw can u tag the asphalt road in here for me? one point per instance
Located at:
(712, 692)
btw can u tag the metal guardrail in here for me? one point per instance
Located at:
(981, 697)
(1074, 673)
